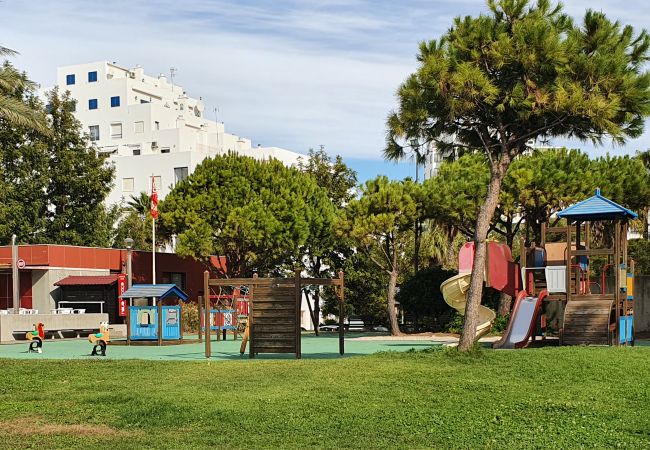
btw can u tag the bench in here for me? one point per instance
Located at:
(356, 325)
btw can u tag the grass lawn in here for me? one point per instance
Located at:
(542, 398)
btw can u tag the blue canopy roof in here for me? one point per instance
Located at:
(596, 208)
(155, 290)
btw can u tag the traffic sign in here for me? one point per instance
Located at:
(21, 263)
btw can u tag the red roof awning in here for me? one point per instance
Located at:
(92, 280)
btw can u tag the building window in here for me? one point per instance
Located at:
(158, 181)
(180, 173)
(69, 79)
(164, 150)
(73, 106)
(92, 103)
(136, 152)
(138, 127)
(177, 278)
(115, 101)
(127, 184)
(94, 132)
(156, 125)
(116, 131)
(92, 76)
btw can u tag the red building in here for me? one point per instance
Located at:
(45, 265)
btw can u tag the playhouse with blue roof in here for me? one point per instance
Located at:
(583, 267)
(149, 319)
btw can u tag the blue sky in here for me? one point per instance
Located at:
(293, 74)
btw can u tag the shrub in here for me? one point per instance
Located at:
(500, 323)
(455, 325)
(190, 317)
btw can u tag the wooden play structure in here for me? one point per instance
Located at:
(100, 340)
(273, 324)
(36, 338)
(150, 321)
(585, 269)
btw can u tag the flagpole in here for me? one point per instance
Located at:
(154, 216)
(153, 252)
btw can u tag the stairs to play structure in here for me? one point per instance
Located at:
(587, 321)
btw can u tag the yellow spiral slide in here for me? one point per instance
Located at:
(454, 291)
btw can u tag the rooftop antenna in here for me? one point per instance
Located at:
(172, 72)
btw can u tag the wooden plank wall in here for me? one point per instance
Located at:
(274, 311)
(274, 320)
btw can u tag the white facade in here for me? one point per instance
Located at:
(432, 161)
(149, 126)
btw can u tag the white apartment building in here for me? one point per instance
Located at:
(149, 127)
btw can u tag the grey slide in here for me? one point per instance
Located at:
(522, 321)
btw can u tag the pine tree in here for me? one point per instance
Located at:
(522, 72)
(79, 180)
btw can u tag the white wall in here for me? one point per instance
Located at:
(169, 120)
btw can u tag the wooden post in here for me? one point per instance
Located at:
(199, 304)
(341, 309)
(251, 309)
(160, 322)
(206, 311)
(297, 290)
(180, 318)
(632, 294)
(617, 281)
(218, 307)
(568, 274)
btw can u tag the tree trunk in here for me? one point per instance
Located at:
(416, 250)
(505, 302)
(450, 259)
(497, 174)
(392, 313)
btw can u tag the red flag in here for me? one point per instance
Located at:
(154, 199)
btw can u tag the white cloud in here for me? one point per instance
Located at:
(294, 74)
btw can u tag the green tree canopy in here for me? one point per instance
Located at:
(380, 221)
(325, 252)
(13, 109)
(258, 214)
(522, 72)
(53, 183)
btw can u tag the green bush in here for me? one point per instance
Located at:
(455, 325)
(190, 317)
(639, 251)
(500, 323)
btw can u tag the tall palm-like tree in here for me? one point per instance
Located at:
(139, 204)
(12, 108)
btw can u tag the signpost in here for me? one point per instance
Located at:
(121, 289)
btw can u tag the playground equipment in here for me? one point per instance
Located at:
(501, 273)
(100, 340)
(227, 312)
(153, 323)
(454, 291)
(36, 338)
(273, 312)
(588, 309)
(556, 278)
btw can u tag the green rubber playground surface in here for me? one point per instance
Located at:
(313, 347)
